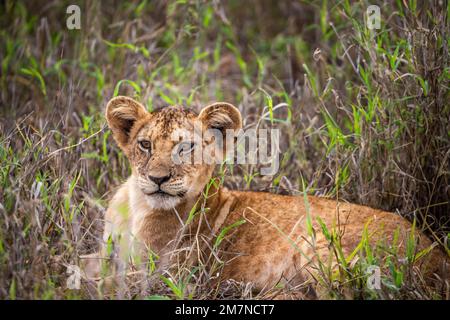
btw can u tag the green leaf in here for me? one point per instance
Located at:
(225, 230)
(135, 86)
(157, 297)
(36, 74)
(177, 291)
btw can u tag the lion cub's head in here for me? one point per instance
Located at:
(162, 146)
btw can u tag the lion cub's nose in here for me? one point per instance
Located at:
(159, 180)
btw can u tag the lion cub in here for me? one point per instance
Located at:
(270, 239)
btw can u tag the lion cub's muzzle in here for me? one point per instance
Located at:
(162, 186)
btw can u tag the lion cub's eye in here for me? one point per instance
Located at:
(145, 145)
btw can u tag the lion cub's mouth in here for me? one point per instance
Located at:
(159, 192)
(164, 194)
(161, 199)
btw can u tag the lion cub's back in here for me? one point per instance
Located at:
(289, 213)
(274, 241)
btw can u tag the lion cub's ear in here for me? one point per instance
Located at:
(222, 116)
(121, 114)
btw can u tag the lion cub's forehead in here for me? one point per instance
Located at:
(165, 121)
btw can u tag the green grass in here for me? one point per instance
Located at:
(364, 116)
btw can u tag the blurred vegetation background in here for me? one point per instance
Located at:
(364, 114)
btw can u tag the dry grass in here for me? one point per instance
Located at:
(364, 117)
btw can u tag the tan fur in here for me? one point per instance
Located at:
(272, 245)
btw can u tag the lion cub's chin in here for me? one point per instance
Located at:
(162, 201)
